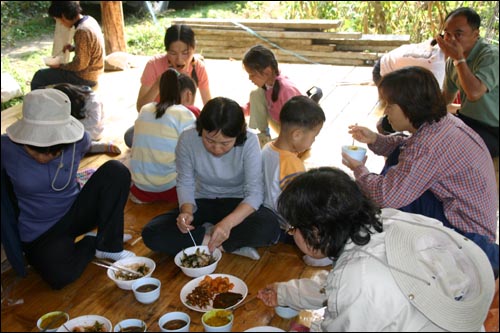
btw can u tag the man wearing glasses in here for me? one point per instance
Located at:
(472, 69)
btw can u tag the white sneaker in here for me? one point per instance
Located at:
(114, 255)
(310, 261)
(249, 252)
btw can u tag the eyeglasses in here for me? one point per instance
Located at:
(290, 230)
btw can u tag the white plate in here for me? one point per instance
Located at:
(264, 329)
(88, 320)
(239, 287)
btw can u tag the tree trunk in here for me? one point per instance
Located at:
(113, 26)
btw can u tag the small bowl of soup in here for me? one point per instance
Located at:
(174, 322)
(217, 320)
(286, 312)
(130, 325)
(146, 290)
(51, 321)
(356, 152)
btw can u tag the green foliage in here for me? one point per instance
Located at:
(23, 20)
(419, 19)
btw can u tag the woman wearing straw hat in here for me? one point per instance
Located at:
(40, 157)
(394, 271)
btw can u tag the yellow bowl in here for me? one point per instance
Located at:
(51, 321)
(217, 320)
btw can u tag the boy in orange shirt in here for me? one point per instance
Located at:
(301, 120)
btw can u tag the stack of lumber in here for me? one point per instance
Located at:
(293, 41)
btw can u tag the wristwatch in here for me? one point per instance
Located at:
(459, 61)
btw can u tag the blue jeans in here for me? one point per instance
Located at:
(48, 76)
(427, 204)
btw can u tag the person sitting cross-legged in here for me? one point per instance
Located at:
(40, 156)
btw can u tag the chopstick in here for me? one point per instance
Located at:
(248, 300)
(116, 268)
(125, 269)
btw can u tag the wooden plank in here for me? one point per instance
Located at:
(11, 115)
(243, 47)
(279, 23)
(269, 34)
(229, 54)
(222, 28)
(363, 48)
(304, 53)
(249, 41)
(382, 40)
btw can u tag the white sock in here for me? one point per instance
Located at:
(310, 261)
(248, 252)
(126, 237)
(114, 255)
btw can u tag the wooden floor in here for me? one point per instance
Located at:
(348, 98)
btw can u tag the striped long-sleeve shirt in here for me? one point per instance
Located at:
(152, 162)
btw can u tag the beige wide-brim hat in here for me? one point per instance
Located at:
(446, 276)
(46, 121)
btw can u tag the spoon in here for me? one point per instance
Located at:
(356, 124)
(189, 232)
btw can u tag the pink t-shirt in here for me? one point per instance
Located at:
(287, 91)
(158, 64)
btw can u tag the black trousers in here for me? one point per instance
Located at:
(48, 76)
(489, 134)
(261, 228)
(55, 254)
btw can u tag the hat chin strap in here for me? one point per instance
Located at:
(395, 268)
(60, 166)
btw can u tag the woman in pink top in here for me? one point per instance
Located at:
(180, 46)
(273, 91)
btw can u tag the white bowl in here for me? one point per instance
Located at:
(226, 317)
(146, 296)
(52, 61)
(130, 325)
(200, 271)
(177, 316)
(83, 321)
(286, 312)
(127, 263)
(356, 152)
(55, 319)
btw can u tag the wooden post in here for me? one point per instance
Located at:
(113, 26)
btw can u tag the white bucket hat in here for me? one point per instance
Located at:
(46, 121)
(447, 277)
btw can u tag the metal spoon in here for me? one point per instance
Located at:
(189, 232)
(356, 124)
